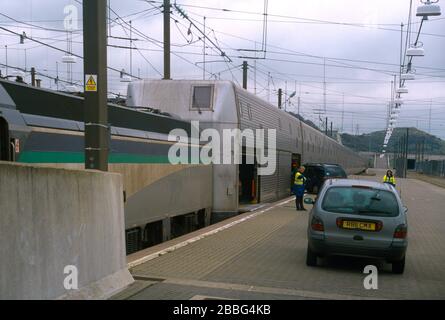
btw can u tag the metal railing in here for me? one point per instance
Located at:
(432, 168)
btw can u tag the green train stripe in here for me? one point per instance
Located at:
(78, 157)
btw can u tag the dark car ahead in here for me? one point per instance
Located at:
(318, 173)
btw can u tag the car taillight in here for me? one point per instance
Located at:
(339, 222)
(401, 232)
(317, 224)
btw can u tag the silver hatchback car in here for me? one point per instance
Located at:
(358, 218)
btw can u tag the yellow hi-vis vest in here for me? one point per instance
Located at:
(391, 180)
(298, 180)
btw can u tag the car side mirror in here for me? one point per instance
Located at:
(405, 209)
(309, 201)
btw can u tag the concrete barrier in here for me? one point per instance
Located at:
(54, 219)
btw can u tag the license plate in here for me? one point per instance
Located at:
(359, 225)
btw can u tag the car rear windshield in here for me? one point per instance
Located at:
(333, 171)
(361, 201)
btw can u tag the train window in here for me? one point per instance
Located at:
(202, 97)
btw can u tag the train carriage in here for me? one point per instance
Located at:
(223, 105)
(162, 200)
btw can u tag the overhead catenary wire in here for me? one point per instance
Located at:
(56, 48)
(131, 28)
(275, 76)
(320, 21)
(151, 39)
(38, 73)
(347, 66)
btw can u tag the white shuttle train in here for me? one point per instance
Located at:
(223, 105)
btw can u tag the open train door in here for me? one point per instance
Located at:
(248, 178)
(5, 153)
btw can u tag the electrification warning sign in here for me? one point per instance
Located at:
(91, 82)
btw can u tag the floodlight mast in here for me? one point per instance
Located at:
(429, 8)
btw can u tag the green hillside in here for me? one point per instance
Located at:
(372, 142)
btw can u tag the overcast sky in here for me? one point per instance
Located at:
(360, 41)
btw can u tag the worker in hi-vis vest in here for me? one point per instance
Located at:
(389, 178)
(299, 188)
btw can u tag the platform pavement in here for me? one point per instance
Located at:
(264, 258)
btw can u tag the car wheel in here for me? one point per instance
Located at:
(311, 258)
(398, 267)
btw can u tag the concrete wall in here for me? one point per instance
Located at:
(51, 218)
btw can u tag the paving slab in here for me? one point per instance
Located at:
(264, 258)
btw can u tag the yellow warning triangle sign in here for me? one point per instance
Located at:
(91, 81)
